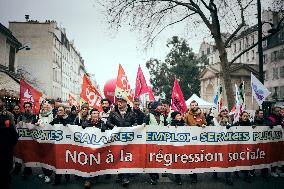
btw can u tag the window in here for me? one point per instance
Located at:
(273, 56)
(282, 72)
(265, 74)
(247, 42)
(235, 48)
(275, 73)
(252, 39)
(208, 50)
(264, 58)
(240, 45)
(247, 56)
(281, 92)
(252, 54)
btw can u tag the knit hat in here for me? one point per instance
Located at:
(154, 105)
(174, 114)
(73, 108)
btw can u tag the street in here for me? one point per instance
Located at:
(142, 182)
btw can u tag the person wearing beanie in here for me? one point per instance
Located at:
(122, 116)
(177, 119)
(72, 115)
(155, 117)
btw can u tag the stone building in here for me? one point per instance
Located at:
(53, 64)
(247, 62)
(9, 80)
(239, 72)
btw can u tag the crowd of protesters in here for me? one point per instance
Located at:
(120, 115)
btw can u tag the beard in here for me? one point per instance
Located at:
(106, 109)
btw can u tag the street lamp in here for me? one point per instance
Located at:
(26, 46)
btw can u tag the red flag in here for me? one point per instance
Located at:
(151, 94)
(29, 94)
(123, 89)
(141, 85)
(90, 94)
(72, 101)
(178, 102)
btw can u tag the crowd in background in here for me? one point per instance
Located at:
(123, 115)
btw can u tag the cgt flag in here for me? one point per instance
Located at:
(90, 94)
(141, 85)
(29, 94)
(123, 89)
(259, 91)
(178, 102)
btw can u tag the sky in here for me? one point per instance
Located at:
(101, 48)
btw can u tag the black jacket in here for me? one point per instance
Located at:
(115, 118)
(100, 125)
(8, 139)
(273, 120)
(139, 116)
(71, 118)
(27, 118)
(243, 123)
(59, 120)
(259, 121)
(177, 123)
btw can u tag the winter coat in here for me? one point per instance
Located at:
(150, 119)
(139, 116)
(104, 116)
(116, 119)
(195, 118)
(8, 139)
(273, 120)
(71, 118)
(177, 123)
(27, 118)
(99, 124)
(259, 121)
(59, 120)
(243, 123)
(81, 121)
(45, 118)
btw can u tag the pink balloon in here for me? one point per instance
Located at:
(109, 89)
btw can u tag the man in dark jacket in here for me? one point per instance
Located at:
(8, 139)
(60, 119)
(27, 117)
(122, 116)
(72, 115)
(259, 118)
(138, 113)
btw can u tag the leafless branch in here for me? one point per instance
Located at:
(279, 27)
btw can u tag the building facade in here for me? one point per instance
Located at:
(273, 60)
(9, 80)
(53, 64)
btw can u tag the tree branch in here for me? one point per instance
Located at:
(175, 22)
(242, 24)
(255, 44)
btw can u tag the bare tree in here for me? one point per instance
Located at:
(218, 16)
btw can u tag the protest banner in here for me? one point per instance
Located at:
(151, 149)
